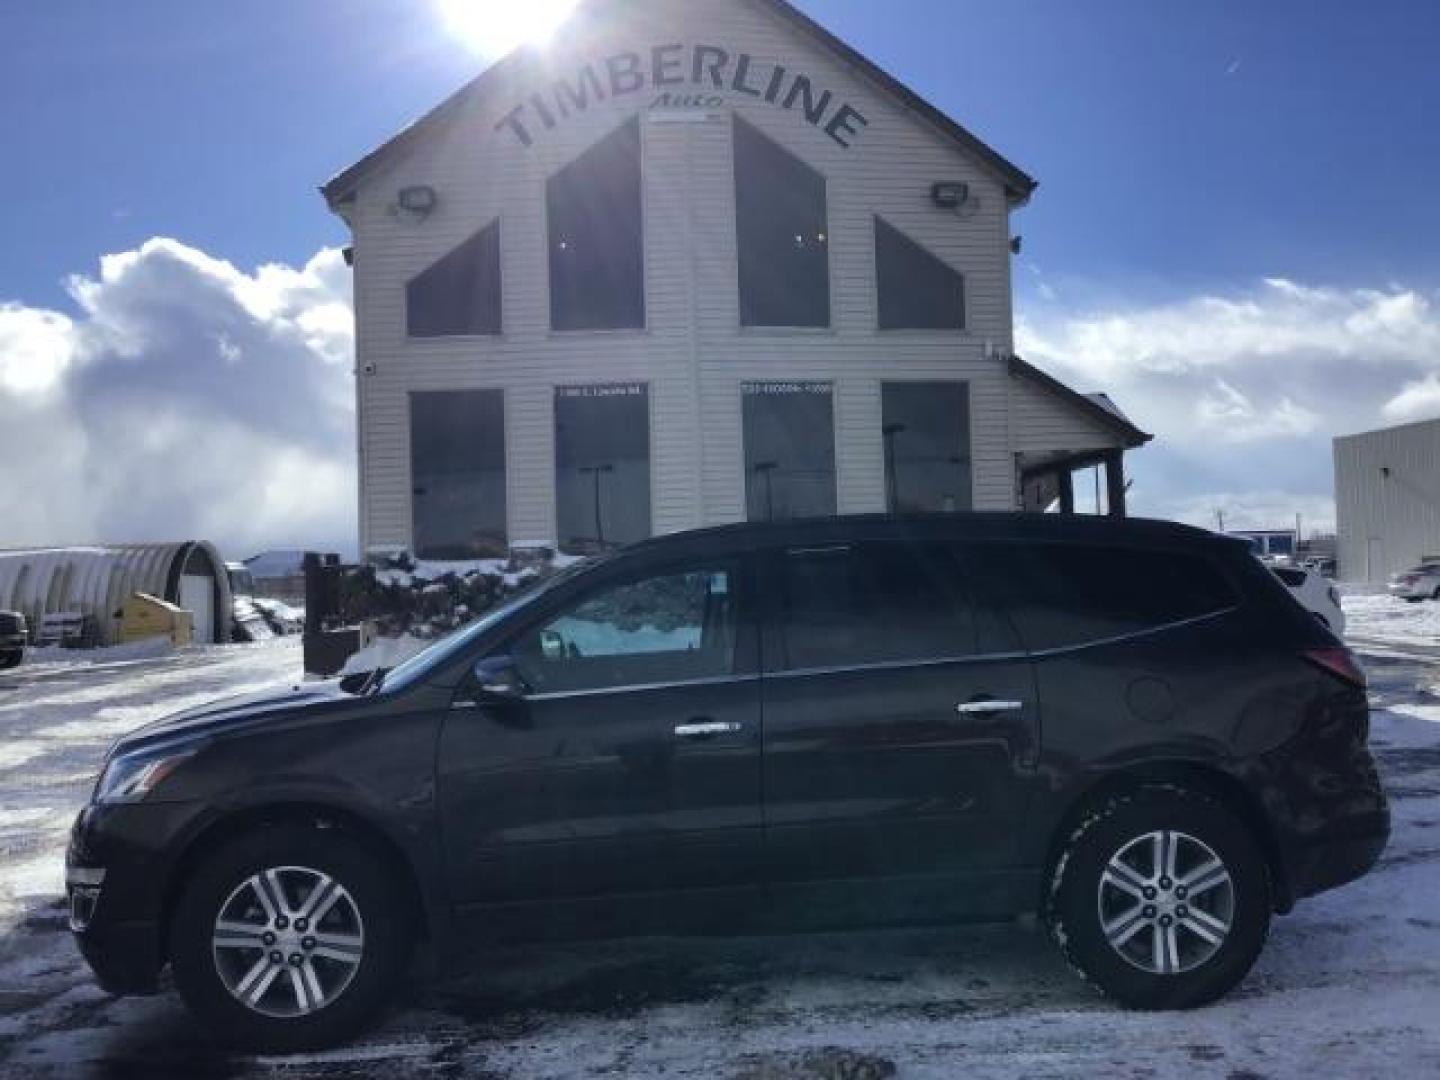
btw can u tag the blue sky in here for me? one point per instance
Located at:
(1235, 233)
(1177, 144)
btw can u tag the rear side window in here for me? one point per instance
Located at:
(873, 603)
(1060, 595)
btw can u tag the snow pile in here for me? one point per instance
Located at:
(423, 601)
(1372, 617)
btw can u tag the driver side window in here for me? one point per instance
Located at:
(672, 627)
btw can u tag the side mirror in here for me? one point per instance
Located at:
(552, 645)
(496, 681)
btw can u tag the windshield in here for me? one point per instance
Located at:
(453, 644)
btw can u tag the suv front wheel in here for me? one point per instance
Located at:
(1161, 898)
(288, 938)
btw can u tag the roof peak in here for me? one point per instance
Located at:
(1018, 185)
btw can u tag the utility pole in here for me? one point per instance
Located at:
(890, 431)
(597, 471)
(767, 470)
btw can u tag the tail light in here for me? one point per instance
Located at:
(1338, 662)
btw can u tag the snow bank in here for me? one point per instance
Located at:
(1384, 618)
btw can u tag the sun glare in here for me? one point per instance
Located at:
(494, 27)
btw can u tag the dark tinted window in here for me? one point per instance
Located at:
(602, 466)
(926, 427)
(1064, 594)
(789, 450)
(457, 460)
(874, 603)
(597, 243)
(672, 627)
(1292, 578)
(460, 294)
(783, 236)
(917, 291)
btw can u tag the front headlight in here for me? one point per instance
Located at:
(130, 778)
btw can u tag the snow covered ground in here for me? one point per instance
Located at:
(1375, 618)
(1349, 985)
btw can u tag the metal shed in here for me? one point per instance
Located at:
(1387, 500)
(95, 581)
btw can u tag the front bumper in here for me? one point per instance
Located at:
(116, 872)
(1410, 592)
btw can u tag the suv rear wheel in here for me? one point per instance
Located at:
(288, 938)
(1161, 898)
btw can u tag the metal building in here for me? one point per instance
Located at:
(1387, 500)
(693, 263)
(94, 582)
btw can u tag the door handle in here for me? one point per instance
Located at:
(707, 729)
(987, 707)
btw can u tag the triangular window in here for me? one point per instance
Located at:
(460, 294)
(917, 290)
(783, 236)
(597, 237)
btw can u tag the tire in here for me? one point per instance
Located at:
(10, 660)
(1088, 894)
(354, 955)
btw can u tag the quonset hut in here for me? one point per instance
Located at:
(95, 581)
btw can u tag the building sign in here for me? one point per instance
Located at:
(607, 390)
(684, 76)
(784, 389)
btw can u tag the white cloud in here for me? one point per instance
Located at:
(1419, 400)
(1246, 389)
(186, 399)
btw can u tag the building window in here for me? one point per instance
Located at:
(927, 446)
(457, 463)
(602, 466)
(460, 294)
(597, 243)
(783, 235)
(789, 450)
(917, 290)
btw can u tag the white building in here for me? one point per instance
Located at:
(692, 263)
(1387, 500)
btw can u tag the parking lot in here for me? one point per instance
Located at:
(1347, 986)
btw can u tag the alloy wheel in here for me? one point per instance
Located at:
(1166, 902)
(288, 941)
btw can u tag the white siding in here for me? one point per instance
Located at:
(1046, 422)
(1387, 523)
(693, 354)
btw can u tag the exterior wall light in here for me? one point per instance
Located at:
(950, 196)
(418, 201)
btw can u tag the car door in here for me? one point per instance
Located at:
(625, 760)
(901, 727)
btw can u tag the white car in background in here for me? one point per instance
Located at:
(1316, 594)
(1420, 583)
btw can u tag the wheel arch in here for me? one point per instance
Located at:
(304, 813)
(1191, 776)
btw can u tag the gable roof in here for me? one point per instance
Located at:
(1097, 406)
(1019, 186)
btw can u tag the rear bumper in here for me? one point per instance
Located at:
(1347, 851)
